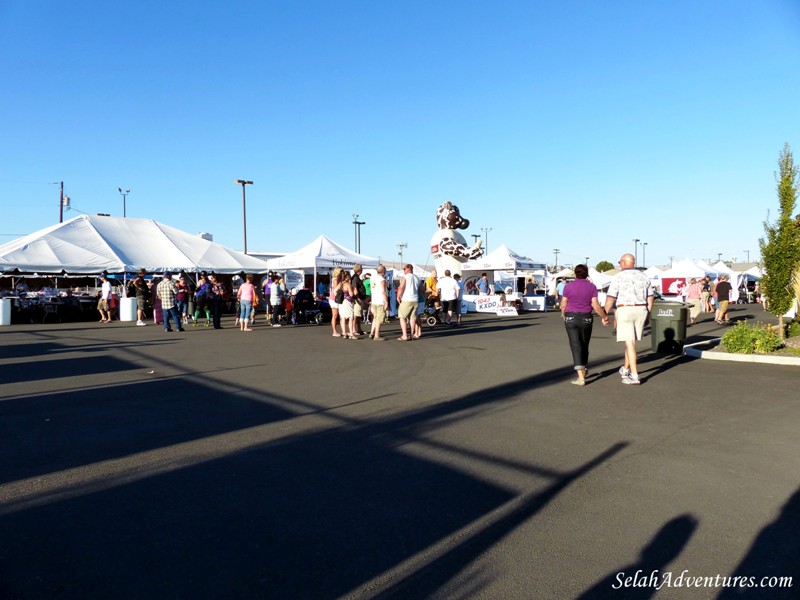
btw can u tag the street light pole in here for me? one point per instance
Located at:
(719, 256)
(357, 225)
(124, 201)
(475, 238)
(556, 251)
(400, 247)
(243, 183)
(635, 250)
(486, 231)
(748, 254)
(644, 254)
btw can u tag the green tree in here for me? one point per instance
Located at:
(780, 247)
(604, 266)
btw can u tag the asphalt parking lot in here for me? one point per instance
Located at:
(285, 463)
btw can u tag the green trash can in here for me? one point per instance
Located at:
(668, 326)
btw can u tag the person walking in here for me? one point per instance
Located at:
(246, 296)
(577, 302)
(202, 299)
(695, 298)
(167, 293)
(379, 300)
(722, 294)
(105, 300)
(633, 294)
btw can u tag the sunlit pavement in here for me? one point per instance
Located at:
(285, 463)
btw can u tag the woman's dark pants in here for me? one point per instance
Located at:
(579, 332)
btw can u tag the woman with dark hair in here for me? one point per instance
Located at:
(577, 301)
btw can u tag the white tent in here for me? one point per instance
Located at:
(322, 253)
(91, 244)
(684, 269)
(502, 259)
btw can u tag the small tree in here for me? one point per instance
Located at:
(604, 266)
(780, 248)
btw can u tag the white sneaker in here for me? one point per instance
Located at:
(624, 372)
(631, 380)
(277, 325)
(140, 323)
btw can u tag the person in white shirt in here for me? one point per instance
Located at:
(447, 288)
(378, 305)
(409, 301)
(105, 298)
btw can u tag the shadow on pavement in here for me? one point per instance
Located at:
(665, 546)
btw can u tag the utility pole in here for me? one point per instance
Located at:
(243, 183)
(61, 204)
(556, 251)
(357, 226)
(644, 251)
(636, 250)
(400, 246)
(486, 231)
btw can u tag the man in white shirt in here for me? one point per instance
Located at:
(408, 299)
(105, 298)
(447, 288)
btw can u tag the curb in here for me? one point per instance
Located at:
(693, 351)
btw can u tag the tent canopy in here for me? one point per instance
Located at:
(322, 253)
(501, 259)
(685, 269)
(91, 244)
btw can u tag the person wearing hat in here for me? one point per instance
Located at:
(166, 292)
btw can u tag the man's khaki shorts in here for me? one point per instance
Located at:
(378, 312)
(407, 310)
(357, 312)
(630, 322)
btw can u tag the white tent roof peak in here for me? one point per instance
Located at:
(323, 252)
(501, 258)
(91, 244)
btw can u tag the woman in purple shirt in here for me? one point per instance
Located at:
(577, 302)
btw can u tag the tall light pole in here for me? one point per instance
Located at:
(475, 238)
(243, 183)
(556, 251)
(357, 224)
(635, 250)
(748, 254)
(719, 256)
(486, 231)
(644, 254)
(124, 200)
(400, 247)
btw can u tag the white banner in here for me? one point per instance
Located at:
(487, 304)
(506, 311)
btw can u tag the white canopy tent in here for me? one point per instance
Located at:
(322, 253)
(502, 259)
(91, 244)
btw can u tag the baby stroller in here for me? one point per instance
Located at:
(433, 312)
(305, 309)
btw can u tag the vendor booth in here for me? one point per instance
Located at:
(518, 267)
(92, 244)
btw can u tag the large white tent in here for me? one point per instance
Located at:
(92, 244)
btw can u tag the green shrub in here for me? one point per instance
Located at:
(751, 339)
(794, 329)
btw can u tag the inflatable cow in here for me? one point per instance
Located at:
(448, 246)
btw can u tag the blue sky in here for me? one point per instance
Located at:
(570, 125)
